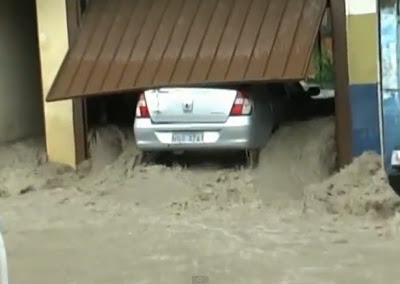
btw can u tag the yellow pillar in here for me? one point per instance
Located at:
(53, 41)
(362, 40)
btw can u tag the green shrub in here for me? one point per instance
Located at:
(323, 65)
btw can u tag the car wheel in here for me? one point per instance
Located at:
(144, 158)
(252, 158)
(275, 128)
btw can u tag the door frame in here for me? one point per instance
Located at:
(74, 19)
(343, 122)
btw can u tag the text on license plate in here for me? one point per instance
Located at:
(180, 137)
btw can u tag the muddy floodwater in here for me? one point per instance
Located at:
(292, 220)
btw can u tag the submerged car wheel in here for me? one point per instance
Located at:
(144, 158)
(252, 158)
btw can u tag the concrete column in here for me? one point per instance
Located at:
(53, 40)
(363, 55)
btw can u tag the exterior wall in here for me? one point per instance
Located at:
(362, 46)
(53, 38)
(21, 111)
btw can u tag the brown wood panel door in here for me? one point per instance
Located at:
(129, 45)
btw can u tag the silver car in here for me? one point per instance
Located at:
(198, 119)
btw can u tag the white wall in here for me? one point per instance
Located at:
(21, 108)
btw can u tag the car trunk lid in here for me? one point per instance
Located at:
(193, 105)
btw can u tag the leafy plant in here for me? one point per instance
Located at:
(323, 64)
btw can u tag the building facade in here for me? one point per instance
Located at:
(370, 123)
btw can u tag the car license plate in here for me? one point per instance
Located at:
(181, 138)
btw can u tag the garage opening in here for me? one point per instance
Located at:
(310, 98)
(305, 102)
(116, 110)
(21, 102)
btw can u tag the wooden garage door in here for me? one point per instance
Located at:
(128, 45)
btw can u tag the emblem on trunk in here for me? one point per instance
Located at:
(187, 106)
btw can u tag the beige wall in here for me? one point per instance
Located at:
(21, 112)
(53, 39)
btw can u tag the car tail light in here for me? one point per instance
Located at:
(141, 108)
(242, 104)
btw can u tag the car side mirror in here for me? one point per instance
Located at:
(313, 91)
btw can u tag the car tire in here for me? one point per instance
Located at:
(144, 158)
(275, 128)
(252, 158)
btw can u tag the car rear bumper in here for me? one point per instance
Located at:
(233, 134)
